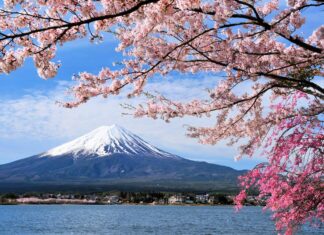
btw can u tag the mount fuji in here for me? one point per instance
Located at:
(106, 141)
(111, 157)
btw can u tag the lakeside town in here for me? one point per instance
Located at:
(126, 198)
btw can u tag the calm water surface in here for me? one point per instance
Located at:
(126, 219)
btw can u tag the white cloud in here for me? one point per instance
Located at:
(38, 118)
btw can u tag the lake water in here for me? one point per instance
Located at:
(127, 219)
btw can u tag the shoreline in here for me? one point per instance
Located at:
(149, 199)
(121, 204)
(107, 204)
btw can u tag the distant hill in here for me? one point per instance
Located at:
(109, 158)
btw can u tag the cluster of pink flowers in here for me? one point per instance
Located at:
(292, 180)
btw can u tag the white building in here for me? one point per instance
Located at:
(202, 198)
(113, 199)
(176, 199)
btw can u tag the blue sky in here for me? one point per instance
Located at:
(31, 122)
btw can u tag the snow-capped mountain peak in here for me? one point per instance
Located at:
(105, 141)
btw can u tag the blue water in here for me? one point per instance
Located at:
(126, 219)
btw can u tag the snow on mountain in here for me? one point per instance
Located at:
(105, 141)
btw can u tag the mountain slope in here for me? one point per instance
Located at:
(113, 156)
(105, 141)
